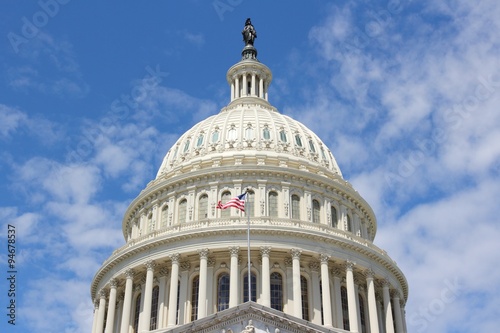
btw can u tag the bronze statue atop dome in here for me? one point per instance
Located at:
(249, 33)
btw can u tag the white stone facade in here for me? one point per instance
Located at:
(311, 241)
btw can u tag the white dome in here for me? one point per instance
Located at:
(253, 133)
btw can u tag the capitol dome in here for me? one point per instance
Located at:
(297, 257)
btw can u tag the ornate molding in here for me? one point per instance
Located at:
(296, 253)
(175, 258)
(265, 251)
(324, 258)
(129, 273)
(150, 265)
(203, 253)
(315, 266)
(349, 265)
(369, 273)
(234, 251)
(113, 283)
(102, 293)
(185, 265)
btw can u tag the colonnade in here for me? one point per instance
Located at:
(327, 304)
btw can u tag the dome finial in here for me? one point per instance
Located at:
(249, 35)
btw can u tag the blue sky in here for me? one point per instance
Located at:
(405, 93)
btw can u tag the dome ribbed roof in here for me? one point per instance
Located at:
(252, 133)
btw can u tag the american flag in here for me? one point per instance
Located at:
(236, 202)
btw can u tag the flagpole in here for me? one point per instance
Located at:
(248, 249)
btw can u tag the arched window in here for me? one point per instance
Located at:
(215, 136)
(304, 297)
(334, 217)
(182, 211)
(225, 198)
(316, 210)
(194, 298)
(223, 292)
(362, 313)
(283, 136)
(273, 204)
(276, 291)
(349, 223)
(253, 281)
(137, 311)
(295, 207)
(298, 140)
(249, 133)
(311, 146)
(164, 216)
(232, 134)
(186, 145)
(266, 134)
(250, 204)
(200, 140)
(154, 309)
(345, 307)
(203, 207)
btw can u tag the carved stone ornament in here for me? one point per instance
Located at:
(314, 266)
(349, 265)
(185, 265)
(234, 250)
(324, 258)
(113, 283)
(296, 253)
(150, 265)
(129, 273)
(265, 251)
(175, 258)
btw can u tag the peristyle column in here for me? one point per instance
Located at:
(202, 288)
(233, 277)
(174, 281)
(148, 295)
(266, 276)
(389, 323)
(127, 301)
(325, 285)
(372, 302)
(100, 314)
(297, 295)
(351, 297)
(110, 319)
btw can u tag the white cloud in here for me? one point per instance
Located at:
(10, 120)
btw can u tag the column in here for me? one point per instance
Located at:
(389, 323)
(172, 301)
(372, 301)
(245, 85)
(148, 294)
(202, 289)
(252, 88)
(96, 311)
(325, 285)
(234, 276)
(315, 268)
(118, 312)
(339, 323)
(161, 297)
(237, 87)
(100, 315)
(397, 312)
(110, 319)
(266, 276)
(351, 297)
(232, 90)
(127, 301)
(183, 288)
(288, 306)
(297, 295)
(210, 283)
(261, 88)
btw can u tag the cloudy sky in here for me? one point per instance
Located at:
(405, 93)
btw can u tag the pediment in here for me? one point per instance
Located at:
(250, 317)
